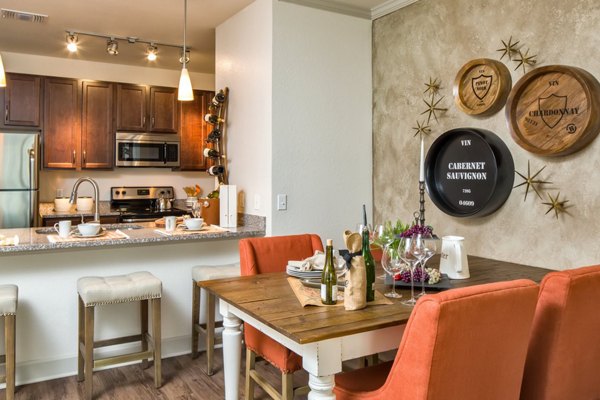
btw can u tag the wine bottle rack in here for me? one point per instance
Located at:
(217, 117)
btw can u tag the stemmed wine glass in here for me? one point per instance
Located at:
(392, 265)
(405, 251)
(382, 238)
(429, 244)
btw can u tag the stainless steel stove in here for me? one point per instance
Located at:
(141, 203)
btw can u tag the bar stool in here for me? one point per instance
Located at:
(204, 273)
(8, 310)
(96, 291)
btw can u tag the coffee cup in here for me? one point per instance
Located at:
(63, 228)
(170, 223)
(84, 203)
(61, 204)
(194, 224)
(89, 229)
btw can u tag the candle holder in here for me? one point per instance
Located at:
(421, 203)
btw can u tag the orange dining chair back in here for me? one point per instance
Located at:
(462, 344)
(563, 361)
(260, 256)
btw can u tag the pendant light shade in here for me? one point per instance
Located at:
(2, 74)
(185, 92)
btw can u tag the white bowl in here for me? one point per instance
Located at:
(61, 204)
(194, 224)
(89, 229)
(84, 203)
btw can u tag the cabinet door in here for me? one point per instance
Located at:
(131, 108)
(22, 100)
(163, 110)
(97, 133)
(61, 123)
(194, 131)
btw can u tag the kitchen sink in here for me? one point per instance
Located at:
(108, 227)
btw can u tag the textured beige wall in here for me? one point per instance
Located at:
(435, 38)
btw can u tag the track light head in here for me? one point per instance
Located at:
(112, 47)
(152, 52)
(72, 42)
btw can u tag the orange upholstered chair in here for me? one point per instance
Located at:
(564, 351)
(462, 344)
(264, 255)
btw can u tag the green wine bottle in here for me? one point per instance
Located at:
(368, 257)
(328, 277)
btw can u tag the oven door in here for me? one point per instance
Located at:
(146, 150)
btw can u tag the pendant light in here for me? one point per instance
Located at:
(185, 92)
(2, 75)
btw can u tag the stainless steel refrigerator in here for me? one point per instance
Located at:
(19, 165)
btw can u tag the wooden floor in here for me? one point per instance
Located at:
(183, 378)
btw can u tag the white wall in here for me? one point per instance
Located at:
(244, 64)
(50, 180)
(321, 120)
(299, 115)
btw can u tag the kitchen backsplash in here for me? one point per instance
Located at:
(50, 181)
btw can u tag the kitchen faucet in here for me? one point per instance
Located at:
(96, 190)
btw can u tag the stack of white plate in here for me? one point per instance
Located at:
(296, 271)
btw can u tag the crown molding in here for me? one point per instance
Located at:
(334, 7)
(376, 12)
(389, 7)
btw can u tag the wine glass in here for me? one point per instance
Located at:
(418, 250)
(382, 237)
(405, 252)
(392, 265)
(430, 246)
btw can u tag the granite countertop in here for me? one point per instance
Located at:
(144, 233)
(47, 211)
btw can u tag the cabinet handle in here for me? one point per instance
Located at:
(6, 111)
(153, 122)
(74, 154)
(144, 121)
(84, 157)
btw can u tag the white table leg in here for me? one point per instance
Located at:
(321, 387)
(232, 349)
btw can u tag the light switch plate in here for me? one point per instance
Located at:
(282, 202)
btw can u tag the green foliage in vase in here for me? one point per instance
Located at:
(391, 233)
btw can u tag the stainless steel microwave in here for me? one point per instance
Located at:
(146, 150)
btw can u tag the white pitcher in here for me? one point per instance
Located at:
(453, 259)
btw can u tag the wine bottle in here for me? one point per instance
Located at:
(211, 153)
(219, 98)
(368, 257)
(214, 135)
(213, 119)
(328, 277)
(216, 170)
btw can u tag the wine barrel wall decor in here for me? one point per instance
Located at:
(469, 172)
(481, 87)
(554, 110)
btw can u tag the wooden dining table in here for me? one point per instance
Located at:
(325, 336)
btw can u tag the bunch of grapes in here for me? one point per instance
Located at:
(416, 229)
(404, 275)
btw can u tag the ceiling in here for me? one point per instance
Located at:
(150, 20)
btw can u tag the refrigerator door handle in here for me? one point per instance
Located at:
(33, 184)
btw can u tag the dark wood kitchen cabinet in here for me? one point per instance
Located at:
(97, 132)
(146, 109)
(22, 101)
(61, 135)
(194, 131)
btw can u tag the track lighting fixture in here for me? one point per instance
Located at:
(112, 47)
(112, 44)
(72, 42)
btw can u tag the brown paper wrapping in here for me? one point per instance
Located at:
(355, 294)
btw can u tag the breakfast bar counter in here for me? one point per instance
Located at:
(143, 233)
(46, 274)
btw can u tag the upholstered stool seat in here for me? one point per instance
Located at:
(205, 273)
(96, 291)
(8, 311)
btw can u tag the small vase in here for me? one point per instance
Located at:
(189, 202)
